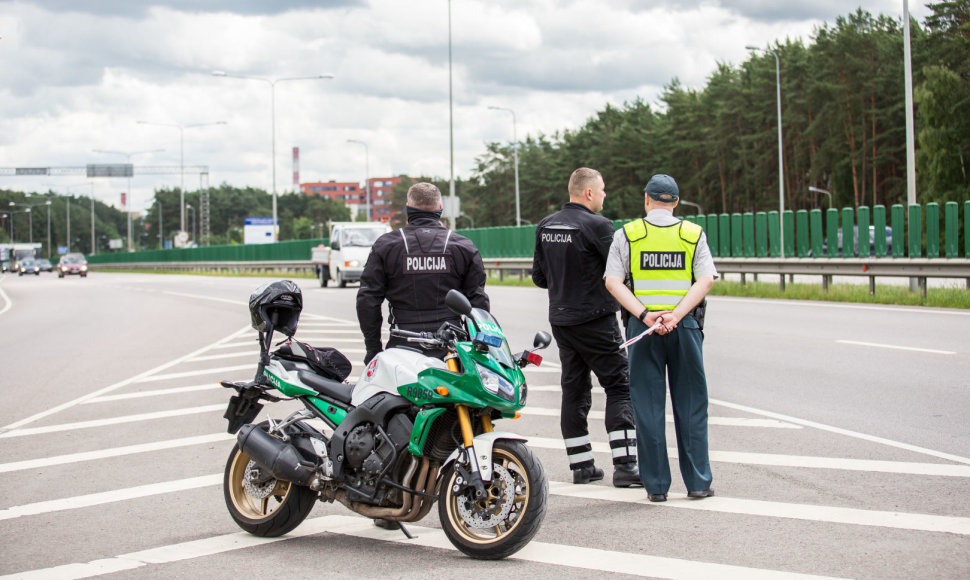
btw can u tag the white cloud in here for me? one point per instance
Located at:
(79, 75)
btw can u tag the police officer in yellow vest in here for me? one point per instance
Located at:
(670, 269)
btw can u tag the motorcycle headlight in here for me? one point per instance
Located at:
(494, 383)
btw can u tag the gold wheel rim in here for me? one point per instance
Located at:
(519, 506)
(247, 505)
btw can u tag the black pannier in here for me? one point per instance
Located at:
(326, 361)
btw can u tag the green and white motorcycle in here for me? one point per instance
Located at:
(414, 430)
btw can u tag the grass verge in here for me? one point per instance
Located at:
(885, 294)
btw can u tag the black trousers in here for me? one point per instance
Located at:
(594, 346)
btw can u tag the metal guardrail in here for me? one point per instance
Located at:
(826, 268)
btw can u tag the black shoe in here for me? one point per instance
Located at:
(626, 475)
(700, 494)
(587, 474)
(386, 524)
(657, 497)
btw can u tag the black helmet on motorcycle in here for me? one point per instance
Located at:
(276, 305)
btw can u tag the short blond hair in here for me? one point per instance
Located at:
(581, 180)
(424, 195)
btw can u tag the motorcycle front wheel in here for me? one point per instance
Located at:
(511, 513)
(263, 508)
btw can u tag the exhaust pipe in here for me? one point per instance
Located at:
(280, 459)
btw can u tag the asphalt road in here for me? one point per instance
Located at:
(839, 437)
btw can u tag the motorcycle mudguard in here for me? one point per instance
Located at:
(483, 451)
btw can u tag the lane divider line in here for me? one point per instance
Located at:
(739, 506)
(724, 421)
(114, 452)
(539, 552)
(895, 347)
(112, 421)
(184, 374)
(840, 431)
(798, 461)
(773, 509)
(737, 457)
(154, 393)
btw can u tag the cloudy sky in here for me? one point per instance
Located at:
(78, 75)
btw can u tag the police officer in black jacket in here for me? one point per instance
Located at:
(570, 257)
(413, 268)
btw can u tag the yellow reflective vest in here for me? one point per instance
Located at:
(662, 261)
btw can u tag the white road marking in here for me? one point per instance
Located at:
(814, 304)
(772, 509)
(248, 343)
(895, 347)
(107, 497)
(154, 393)
(135, 379)
(539, 552)
(724, 421)
(8, 303)
(112, 421)
(182, 375)
(840, 431)
(253, 354)
(113, 452)
(800, 461)
(204, 297)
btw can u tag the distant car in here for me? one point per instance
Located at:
(71, 264)
(4, 266)
(44, 264)
(28, 267)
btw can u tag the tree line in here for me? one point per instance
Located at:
(843, 126)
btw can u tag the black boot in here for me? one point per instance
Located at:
(587, 474)
(626, 475)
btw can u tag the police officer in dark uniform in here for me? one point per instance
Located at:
(570, 256)
(413, 268)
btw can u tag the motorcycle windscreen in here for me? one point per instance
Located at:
(485, 322)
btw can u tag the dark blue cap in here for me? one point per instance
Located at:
(662, 187)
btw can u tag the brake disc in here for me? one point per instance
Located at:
(495, 508)
(254, 487)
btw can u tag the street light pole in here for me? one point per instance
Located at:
(822, 191)
(272, 100)
(451, 129)
(366, 173)
(181, 129)
(128, 203)
(781, 152)
(515, 152)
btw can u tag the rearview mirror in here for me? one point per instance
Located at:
(542, 340)
(458, 303)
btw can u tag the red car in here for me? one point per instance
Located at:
(72, 264)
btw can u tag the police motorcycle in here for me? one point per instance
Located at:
(414, 430)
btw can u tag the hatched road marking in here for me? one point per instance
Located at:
(539, 552)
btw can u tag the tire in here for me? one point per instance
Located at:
(340, 279)
(286, 506)
(512, 461)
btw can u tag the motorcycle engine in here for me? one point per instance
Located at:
(368, 453)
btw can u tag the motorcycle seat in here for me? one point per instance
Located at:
(340, 391)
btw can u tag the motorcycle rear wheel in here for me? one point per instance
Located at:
(509, 527)
(283, 509)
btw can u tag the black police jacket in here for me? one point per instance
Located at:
(413, 268)
(570, 257)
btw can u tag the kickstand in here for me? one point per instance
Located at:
(405, 530)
